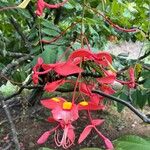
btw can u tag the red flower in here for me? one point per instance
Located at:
(41, 5)
(64, 113)
(88, 129)
(102, 58)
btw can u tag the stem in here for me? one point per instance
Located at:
(139, 114)
(13, 129)
(82, 25)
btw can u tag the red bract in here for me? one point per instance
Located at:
(88, 129)
(41, 5)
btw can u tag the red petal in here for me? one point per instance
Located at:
(86, 89)
(40, 7)
(97, 122)
(107, 79)
(108, 144)
(51, 119)
(103, 58)
(67, 68)
(48, 66)
(81, 53)
(52, 86)
(71, 134)
(85, 133)
(51, 104)
(43, 137)
(107, 89)
(40, 61)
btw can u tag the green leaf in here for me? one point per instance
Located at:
(50, 32)
(120, 107)
(50, 25)
(147, 83)
(131, 142)
(8, 88)
(139, 99)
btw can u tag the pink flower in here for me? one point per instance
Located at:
(64, 113)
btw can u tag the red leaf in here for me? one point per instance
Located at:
(52, 86)
(43, 137)
(85, 133)
(97, 122)
(67, 68)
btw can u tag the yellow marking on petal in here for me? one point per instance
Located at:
(83, 103)
(67, 105)
(24, 4)
(56, 99)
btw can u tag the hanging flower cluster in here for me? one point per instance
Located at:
(77, 70)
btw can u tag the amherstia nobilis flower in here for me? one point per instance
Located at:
(72, 71)
(64, 113)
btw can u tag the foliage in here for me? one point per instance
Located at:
(131, 142)
(62, 43)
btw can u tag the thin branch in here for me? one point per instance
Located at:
(145, 55)
(60, 35)
(14, 64)
(13, 129)
(137, 112)
(18, 29)
(12, 54)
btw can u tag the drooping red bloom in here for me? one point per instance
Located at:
(41, 5)
(64, 113)
(63, 69)
(88, 129)
(102, 58)
(131, 82)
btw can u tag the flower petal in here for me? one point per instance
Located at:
(50, 103)
(106, 80)
(67, 68)
(85, 133)
(44, 137)
(97, 122)
(103, 58)
(81, 53)
(52, 86)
